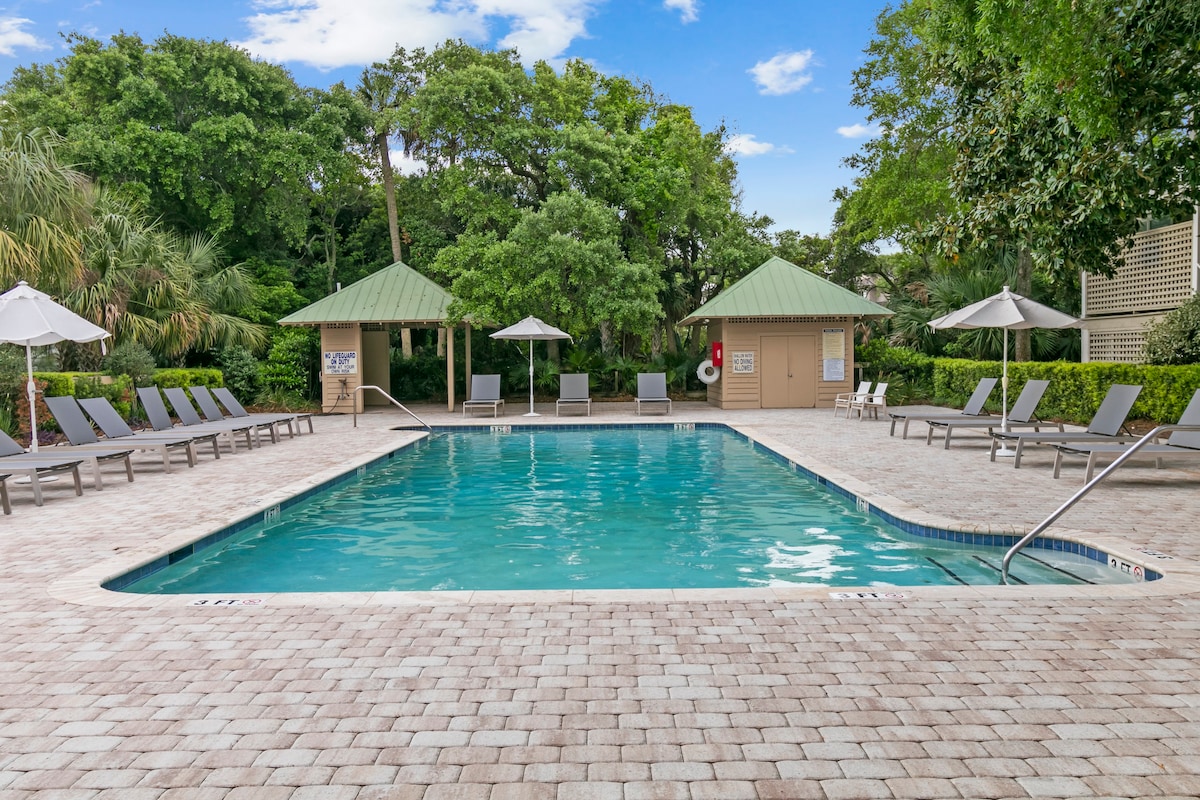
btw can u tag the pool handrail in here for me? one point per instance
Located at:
(1087, 487)
(394, 401)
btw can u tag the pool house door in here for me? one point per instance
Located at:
(789, 371)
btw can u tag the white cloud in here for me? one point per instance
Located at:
(747, 144)
(328, 34)
(406, 165)
(12, 37)
(688, 9)
(858, 131)
(783, 74)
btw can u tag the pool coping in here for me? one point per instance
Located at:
(86, 587)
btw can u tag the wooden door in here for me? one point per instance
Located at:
(789, 371)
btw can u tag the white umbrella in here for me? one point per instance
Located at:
(531, 329)
(1008, 311)
(30, 318)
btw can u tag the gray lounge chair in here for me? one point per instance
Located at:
(652, 388)
(68, 412)
(34, 469)
(235, 409)
(573, 391)
(485, 394)
(1021, 416)
(1180, 444)
(973, 408)
(1107, 426)
(212, 413)
(186, 412)
(14, 453)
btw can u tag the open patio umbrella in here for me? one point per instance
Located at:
(531, 329)
(1008, 311)
(29, 317)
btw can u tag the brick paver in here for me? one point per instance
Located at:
(942, 692)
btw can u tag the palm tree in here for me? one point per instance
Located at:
(384, 88)
(146, 284)
(43, 205)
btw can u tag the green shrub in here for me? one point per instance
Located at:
(119, 392)
(1176, 338)
(1075, 390)
(57, 384)
(131, 359)
(291, 361)
(185, 376)
(909, 374)
(421, 378)
(242, 372)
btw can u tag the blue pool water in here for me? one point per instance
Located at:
(643, 507)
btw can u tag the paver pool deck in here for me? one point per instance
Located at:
(942, 692)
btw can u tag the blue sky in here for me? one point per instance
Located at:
(776, 73)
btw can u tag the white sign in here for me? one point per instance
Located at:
(833, 343)
(743, 363)
(341, 363)
(834, 369)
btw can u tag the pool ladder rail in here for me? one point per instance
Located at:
(1087, 487)
(392, 400)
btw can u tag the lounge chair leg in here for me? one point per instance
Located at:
(78, 481)
(946, 444)
(7, 506)
(1017, 454)
(36, 485)
(1058, 458)
(97, 481)
(128, 468)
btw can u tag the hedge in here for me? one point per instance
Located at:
(184, 378)
(119, 392)
(1075, 390)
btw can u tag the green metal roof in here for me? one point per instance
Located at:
(394, 294)
(779, 288)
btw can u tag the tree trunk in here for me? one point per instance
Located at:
(552, 353)
(606, 338)
(656, 343)
(1023, 338)
(406, 342)
(389, 191)
(441, 345)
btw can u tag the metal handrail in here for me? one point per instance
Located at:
(1087, 487)
(394, 401)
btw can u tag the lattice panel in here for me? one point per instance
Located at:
(1122, 346)
(1157, 275)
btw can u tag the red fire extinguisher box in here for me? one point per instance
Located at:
(718, 354)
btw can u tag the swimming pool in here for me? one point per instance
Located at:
(585, 508)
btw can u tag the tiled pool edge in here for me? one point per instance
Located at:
(88, 586)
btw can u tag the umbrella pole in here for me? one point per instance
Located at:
(31, 390)
(531, 413)
(1004, 450)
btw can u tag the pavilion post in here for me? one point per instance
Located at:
(449, 368)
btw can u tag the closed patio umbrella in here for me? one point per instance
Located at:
(1008, 311)
(30, 318)
(531, 329)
